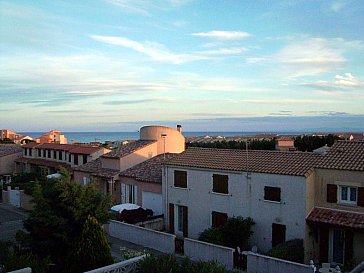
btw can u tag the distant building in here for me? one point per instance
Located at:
(47, 158)
(53, 136)
(13, 136)
(285, 144)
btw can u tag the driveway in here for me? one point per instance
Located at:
(11, 220)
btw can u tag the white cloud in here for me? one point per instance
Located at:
(339, 5)
(223, 35)
(340, 83)
(159, 52)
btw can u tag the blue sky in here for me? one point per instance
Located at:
(115, 65)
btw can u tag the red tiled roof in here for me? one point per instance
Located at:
(336, 218)
(8, 149)
(72, 148)
(344, 155)
(149, 170)
(128, 148)
(43, 162)
(95, 168)
(275, 162)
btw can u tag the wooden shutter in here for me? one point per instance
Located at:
(171, 217)
(218, 219)
(180, 179)
(324, 244)
(331, 193)
(278, 234)
(185, 221)
(220, 183)
(348, 252)
(361, 196)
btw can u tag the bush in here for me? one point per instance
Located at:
(169, 264)
(235, 233)
(291, 250)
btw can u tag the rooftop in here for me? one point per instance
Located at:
(128, 148)
(43, 162)
(344, 155)
(336, 217)
(149, 170)
(95, 168)
(72, 148)
(276, 162)
(7, 149)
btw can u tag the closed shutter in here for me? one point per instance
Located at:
(185, 221)
(361, 196)
(331, 193)
(123, 193)
(218, 219)
(348, 246)
(171, 217)
(278, 234)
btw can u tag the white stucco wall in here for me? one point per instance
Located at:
(245, 198)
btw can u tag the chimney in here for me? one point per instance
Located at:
(179, 128)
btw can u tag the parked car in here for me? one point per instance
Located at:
(131, 213)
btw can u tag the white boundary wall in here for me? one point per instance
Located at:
(163, 242)
(264, 264)
(198, 250)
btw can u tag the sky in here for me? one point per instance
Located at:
(116, 65)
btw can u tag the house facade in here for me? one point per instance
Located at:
(203, 187)
(49, 157)
(8, 154)
(154, 141)
(336, 223)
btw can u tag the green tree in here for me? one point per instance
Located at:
(92, 250)
(61, 208)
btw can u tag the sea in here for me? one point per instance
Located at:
(86, 137)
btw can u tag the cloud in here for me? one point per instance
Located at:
(342, 82)
(338, 5)
(159, 52)
(126, 102)
(223, 35)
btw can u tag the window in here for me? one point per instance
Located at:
(129, 193)
(39, 153)
(348, 195)
(69, 157)
(84, 159)
(60, 155)
(49, 153)
(44, 153)
(180, 179)
(75, 159)
(218, 219)
(278, 234)
(86, 180)
(220, 183)
(55, 154)
(272, 194)
(25, 151)
(30, 151)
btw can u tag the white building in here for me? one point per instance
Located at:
(202, 187)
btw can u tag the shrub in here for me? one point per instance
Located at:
(291, 250)
(235, 233)
(169, 264)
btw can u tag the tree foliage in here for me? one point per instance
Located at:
(92, 250)
(291, 250)
(61, 208)
(232, 144)
(234, 233)
(310, 143)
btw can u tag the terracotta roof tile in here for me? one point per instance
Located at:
(344, 155)
(149, 170)
(276, 162)
(7, 149)
(95, 168)
(128, 148)
(72, 148)
(43, 162)
(30, 145)
(336, 218)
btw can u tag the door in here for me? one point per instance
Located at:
(337, 246)
(152, 201)
(278, 234)
(181, 221)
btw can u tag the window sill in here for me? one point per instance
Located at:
(273, 202)
(219, 193)
(347, 204)
(180, 188)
